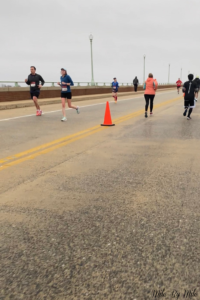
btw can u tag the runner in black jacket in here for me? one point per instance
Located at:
(190, 88)
(197, 81)
(135, 83)
(36, 82)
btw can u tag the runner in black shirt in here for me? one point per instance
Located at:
(190, 88)
(36, 82)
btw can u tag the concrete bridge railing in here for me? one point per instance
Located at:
(8, 94)
(16, 83)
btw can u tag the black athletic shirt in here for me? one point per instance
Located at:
(34, 81)
(189, 88)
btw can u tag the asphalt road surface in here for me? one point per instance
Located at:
(91, 212)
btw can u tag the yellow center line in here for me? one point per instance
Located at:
(18, 155)
(56, 144)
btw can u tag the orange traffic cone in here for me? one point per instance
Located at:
(107, 117)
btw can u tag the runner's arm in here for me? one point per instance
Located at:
(28, 81)
(41, 79)
(72, 83)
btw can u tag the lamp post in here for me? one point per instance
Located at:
(169, 74)
(92, 72)
(144, 70)
(181, 73)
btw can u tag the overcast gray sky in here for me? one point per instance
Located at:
(51, 34)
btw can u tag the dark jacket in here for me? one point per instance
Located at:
(34, 81)
(189, 88)
(135, 81)
(197, 81)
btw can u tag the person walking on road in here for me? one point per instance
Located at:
(65, 83)
(149, 94)
(115, 87)
(190, 88)
(36, 82)
(178, 84)
(135, 83)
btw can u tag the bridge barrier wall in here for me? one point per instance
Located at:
(8, 94)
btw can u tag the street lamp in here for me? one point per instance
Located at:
(181, 73)
(92, 72)
(144, 70)
(169, 74)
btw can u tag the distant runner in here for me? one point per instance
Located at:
(149, 94)
(115, 87)
(36, 82)
(197, 81)
(190, 88)
(135, 83)
(65, 83)
(178, 83)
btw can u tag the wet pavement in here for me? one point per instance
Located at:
(114, 215)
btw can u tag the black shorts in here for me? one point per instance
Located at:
(66, 95)
(35, 94)
(178, 87)
(114, 91)
(189, 103)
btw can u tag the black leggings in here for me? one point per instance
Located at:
(135, 87)
(189, 112)
(147, 98)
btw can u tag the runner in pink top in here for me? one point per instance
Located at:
(149, 94)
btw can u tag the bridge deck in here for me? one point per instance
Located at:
(89, 212)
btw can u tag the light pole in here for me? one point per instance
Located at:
(92, 72)
(144, 70)
(169, 74)
(181, 73)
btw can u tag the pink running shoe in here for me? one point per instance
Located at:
(38, 113)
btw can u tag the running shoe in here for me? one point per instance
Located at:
(189, 118)
(151, 113)
(78, 110)
(146, 116)
(185, 113)
(64, 119)
(38, 113)
(41, 112)
(195, 99)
